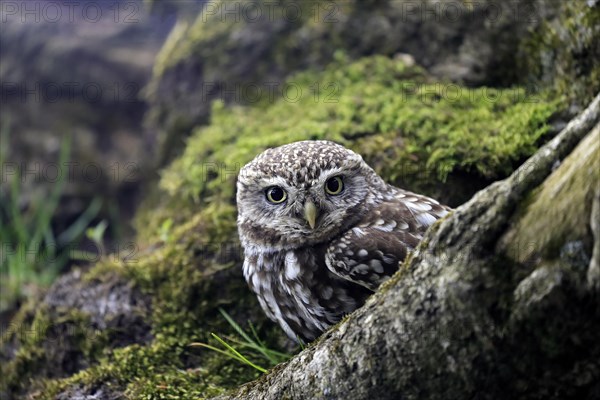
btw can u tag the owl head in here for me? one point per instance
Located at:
(302, 194)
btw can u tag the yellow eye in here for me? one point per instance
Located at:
(276, 195)
(334, 185)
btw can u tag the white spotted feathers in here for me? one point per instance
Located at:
(331, 235)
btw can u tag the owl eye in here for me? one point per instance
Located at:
(334, 185)
(276, 195)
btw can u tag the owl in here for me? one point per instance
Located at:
(321, 231)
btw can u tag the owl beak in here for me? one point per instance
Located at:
(310, 213)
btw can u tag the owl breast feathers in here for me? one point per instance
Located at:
(321, 231)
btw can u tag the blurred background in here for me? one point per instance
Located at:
(75, 151)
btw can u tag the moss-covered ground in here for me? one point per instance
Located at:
(416, 132)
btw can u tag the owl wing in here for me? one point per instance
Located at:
(370, 252)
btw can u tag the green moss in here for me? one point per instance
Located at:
(188, 278)
(405, 124)
(38, 335)
(157, 371)
(185, 302)
(414, 131)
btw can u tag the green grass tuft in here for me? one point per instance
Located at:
(31, 255)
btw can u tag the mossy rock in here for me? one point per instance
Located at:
(126, 327)
(424, 134)
(262, 42)
(417, 132)
(563, 50)
(545, 44)
(554, 222)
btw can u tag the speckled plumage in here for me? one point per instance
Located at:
(308, 277)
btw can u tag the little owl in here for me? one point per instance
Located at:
(321, 231)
